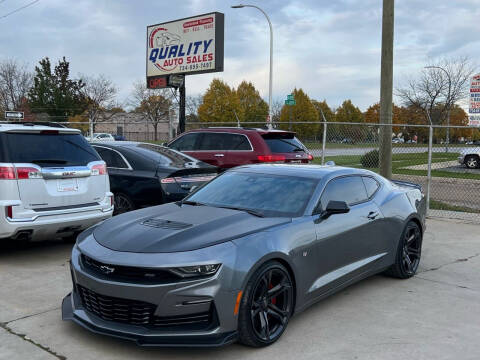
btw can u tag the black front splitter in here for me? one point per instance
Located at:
(215, 340)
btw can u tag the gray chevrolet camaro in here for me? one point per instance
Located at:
(242, 254)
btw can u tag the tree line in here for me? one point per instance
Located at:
(50, 93)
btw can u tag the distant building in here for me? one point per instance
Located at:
(135, 127)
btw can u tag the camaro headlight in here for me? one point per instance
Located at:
(197, 270)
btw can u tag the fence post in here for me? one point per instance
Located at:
(90, 128)
(429, 171)
(324, 139)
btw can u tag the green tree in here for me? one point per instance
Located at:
(348, 112)
(304, 111)
(220, 104)
(54, 92)
(252, 106)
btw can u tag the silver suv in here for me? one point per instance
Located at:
(52, 183)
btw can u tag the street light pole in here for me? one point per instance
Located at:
(447, 142)
(271, 60)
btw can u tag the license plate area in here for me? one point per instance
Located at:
(67, 185)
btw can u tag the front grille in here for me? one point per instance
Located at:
(129, 273)
(141, 313)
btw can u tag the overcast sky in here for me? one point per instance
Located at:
(329, 48)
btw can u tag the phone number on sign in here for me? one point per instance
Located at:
(198, 66)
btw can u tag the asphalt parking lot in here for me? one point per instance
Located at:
(435, 315)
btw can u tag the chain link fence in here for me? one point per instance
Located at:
(452, 188)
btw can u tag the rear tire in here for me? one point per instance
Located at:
(408, 252)
(472, 161)
(122, 203)
(266, 305)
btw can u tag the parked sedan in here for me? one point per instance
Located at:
(242, 254)
(143, 174)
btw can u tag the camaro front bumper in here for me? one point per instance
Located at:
(98, 303)
(141, 337)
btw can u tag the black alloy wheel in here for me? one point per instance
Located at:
(122, 204)
(266, 306)
(408, 253)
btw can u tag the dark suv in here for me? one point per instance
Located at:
(229, 147)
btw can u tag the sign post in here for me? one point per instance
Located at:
(184, 47)
(290, 102)
(14, 115)
(474, 108)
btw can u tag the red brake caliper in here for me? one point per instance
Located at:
(274, 300)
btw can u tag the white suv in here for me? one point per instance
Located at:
(52, 183)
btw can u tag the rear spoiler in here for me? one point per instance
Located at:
(407, 183)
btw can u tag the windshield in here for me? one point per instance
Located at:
(271, 195)
(50, 149)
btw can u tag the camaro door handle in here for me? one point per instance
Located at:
(219, 155)
(372, 215)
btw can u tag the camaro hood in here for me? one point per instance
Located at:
(172, 228)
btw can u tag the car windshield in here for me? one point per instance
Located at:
(269, 195)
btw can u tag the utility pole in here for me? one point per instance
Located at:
(181, 120)
(386, 90)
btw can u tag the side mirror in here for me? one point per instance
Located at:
(165, 144)
(335, 207)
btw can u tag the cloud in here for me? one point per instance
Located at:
(331, 49)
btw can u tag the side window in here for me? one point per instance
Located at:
(371, 185)
(185, 143)
(238, 142)
(112, 158)
(349, 189)
(214, 141)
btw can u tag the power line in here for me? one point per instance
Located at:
(20, 8)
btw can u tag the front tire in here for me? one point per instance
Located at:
(408, 252)
(266, 306)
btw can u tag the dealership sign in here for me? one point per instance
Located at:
(187, 46)
(474, 108)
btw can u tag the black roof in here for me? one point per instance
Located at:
(309, 171)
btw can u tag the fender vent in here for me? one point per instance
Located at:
(165, 224)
